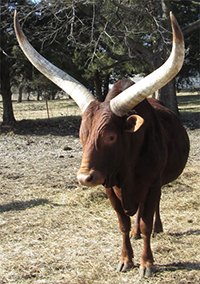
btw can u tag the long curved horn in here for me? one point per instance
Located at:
(132, 96)
(67, 83)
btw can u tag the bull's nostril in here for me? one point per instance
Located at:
(89, 178)
(86, 179)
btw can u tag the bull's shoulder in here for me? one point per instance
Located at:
(162, 112)
(170, 125)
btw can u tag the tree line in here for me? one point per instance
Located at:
(97, 42)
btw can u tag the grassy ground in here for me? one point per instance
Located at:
(189, 108)
(189, 101)
(54, 231)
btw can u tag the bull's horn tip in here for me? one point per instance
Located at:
(15, 17)
(15, 14)
(18, 31)
(176, 28)
(173, 19)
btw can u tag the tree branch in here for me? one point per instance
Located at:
(136, 49)
(191, 28)
(135, 10)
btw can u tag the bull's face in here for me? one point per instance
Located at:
(102, 135)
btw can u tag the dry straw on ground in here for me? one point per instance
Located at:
(54, 231)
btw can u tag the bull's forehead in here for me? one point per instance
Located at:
(98, 117)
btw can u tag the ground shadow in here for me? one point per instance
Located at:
(178, 266)
(187, 100)
(23, 205)
(69, 125)
(60, 126)
(190, 119)
(187, 233)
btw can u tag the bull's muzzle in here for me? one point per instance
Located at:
(90, 178)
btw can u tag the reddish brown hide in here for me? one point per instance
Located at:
(132, 156)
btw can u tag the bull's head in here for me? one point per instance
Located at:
(102, 134)
(103, 123)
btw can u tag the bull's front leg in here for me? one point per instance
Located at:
(126, 261)
(146, 265)
(146, 225)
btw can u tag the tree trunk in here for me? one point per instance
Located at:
(52, 95)
(21, 86)
(39, 93)
(28, 95)
(106, 85)
(8, 115)
(167, 95)
(97, 83)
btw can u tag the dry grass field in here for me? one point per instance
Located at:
(54, 231)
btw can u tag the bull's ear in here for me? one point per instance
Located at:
(133, 123)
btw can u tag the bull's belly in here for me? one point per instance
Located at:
(175, 167)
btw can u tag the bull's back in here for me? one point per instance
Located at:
(176, 139)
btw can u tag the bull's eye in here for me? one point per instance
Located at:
(109, 138)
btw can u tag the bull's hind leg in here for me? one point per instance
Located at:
(157, 227)
(126, 261)
(135, 232)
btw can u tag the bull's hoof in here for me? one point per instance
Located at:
(135, 234)
(124, 267)
(146, 271)
(155, 232)
(135, 237)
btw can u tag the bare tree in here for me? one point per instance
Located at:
(105, 39)
(124, 31)
(142, 30)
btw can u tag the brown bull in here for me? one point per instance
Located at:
(131, 145)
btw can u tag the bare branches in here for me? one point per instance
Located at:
(117, 30)
(111, 31)
(191, 28)
(133, 10)
(195, 2)
(192, 1)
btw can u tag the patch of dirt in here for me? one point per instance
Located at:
(54, 231)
